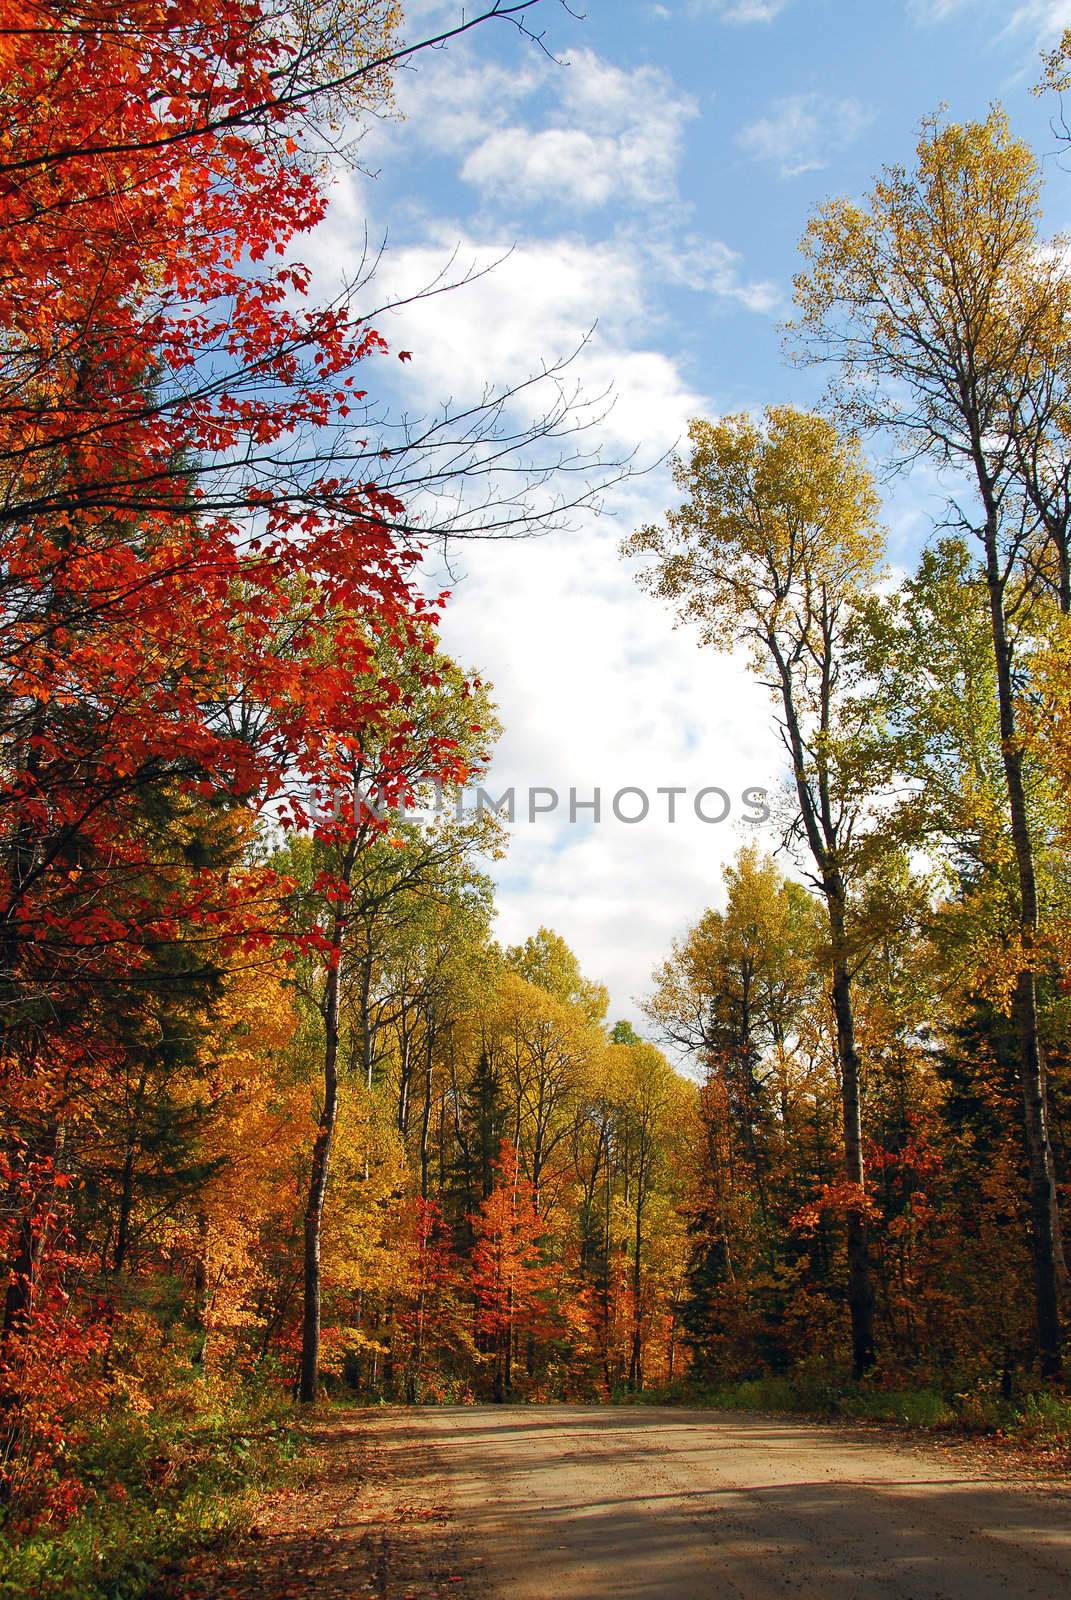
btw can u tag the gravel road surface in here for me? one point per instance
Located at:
(570, 1503)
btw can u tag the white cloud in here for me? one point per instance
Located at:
(1046, 18)
(594, 687)
(539, 303)
(609, 132)
(583, 136)
(449, 101)
(569, 165)
(802, 131)
(1043, 19)
(711, 267)
(597, 691)
(743, 11)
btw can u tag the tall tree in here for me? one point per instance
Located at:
(650, 1100)
(364, 860)
(511, 1277)
(775, 545)
(948, 321)
(742, 994)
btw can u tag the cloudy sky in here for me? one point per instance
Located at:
(652, 181)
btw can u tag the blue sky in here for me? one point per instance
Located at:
(655, 180)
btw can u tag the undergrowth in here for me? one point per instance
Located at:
(1035, 1416)
(158, 1485)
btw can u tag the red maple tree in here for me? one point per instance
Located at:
(510, 1276)
(187, 522)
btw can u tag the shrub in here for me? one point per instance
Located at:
(158, 1486)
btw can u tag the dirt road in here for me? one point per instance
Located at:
(570, 1504)
(575, 1503)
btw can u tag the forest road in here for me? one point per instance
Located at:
(570, 1503)
(637, 1503)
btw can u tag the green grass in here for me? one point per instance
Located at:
(184, 1477)
(1039, 1417)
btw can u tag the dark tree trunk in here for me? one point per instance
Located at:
(425, 1115)
(860, 1288)
(635, 1363)
(1049, 1269)
(129, 1174)
(309, 1379)
(824, 840)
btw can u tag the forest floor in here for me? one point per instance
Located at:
(574, 1503)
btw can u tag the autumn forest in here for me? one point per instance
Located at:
(285, 1122)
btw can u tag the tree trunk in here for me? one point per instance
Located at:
(751, 1114)
(309, 1379)
(824, 840)
(202, 1293)
(127, 1182)
(1050, 1273)
(507, 1373)
(860, 1288)
(425, 1115)
(366, 1017)
(405, 1078)
(635, 1365)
